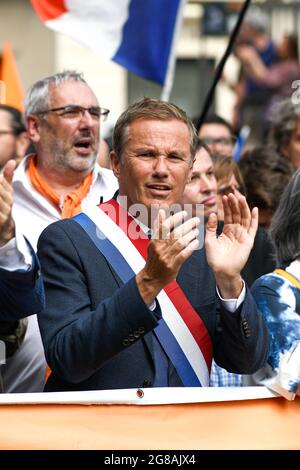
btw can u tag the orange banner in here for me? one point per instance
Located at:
(11, 90)
(251, 424)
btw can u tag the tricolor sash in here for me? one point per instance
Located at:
(181, 331)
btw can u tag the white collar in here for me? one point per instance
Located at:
(294, 269)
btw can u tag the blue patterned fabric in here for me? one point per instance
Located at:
(279, 301)
(219, 377)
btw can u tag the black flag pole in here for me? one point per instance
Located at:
(221, 64)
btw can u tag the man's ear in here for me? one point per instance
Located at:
(115, 164)
(33, 128)
(22, 144)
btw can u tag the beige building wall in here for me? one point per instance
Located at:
(33, 44)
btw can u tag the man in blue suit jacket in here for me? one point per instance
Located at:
(21, 288)
(21, 291)
(101, 332)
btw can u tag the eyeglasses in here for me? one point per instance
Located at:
(223, 141)
(76, 112)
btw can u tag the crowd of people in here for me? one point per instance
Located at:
(108, 278)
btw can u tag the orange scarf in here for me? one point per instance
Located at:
(71, 203)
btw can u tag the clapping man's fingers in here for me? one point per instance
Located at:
(6, 183)
(254, 222)
(186, 227)
(227, 211)
(165, 226)
(8, 170)
(235, 208)
(186, 244)
(245, 211)
(161, 217)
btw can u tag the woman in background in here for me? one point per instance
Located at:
(229, 180)
(278, 297)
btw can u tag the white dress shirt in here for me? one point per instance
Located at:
(15, 254)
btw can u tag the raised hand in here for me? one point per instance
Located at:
(172, 243)
(7, 226)
(228, 253)
(245, 53)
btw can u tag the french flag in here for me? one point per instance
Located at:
(137, 34)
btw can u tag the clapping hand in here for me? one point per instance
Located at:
(7, 226)
(173, 241)
(228, 253)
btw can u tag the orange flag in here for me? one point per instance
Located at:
(11, 90)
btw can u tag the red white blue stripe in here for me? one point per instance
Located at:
(181, 332)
